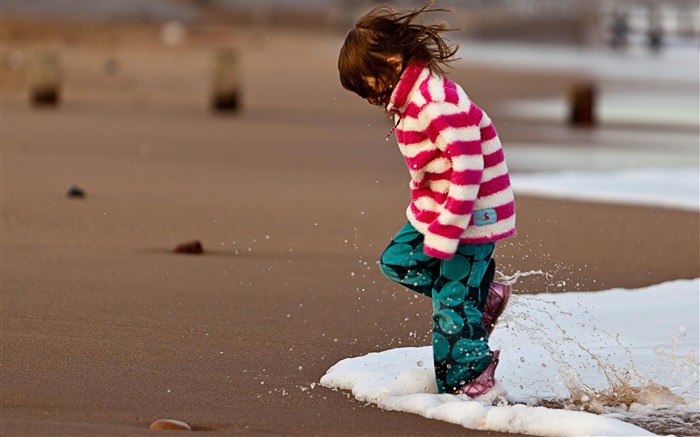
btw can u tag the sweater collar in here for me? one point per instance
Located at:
(400, 97)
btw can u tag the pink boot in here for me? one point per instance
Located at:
(495, 304)
(484, 382)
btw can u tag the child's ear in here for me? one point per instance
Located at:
(396, 61)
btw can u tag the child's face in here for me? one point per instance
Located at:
(382, 85)
(379, 87)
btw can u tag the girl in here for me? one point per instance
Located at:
(461, 198)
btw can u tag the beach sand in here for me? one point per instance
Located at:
(105, 329)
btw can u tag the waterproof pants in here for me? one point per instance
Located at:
(458, 288)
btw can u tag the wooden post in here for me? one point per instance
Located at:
(226, 81)
(45, 77)
(582, 102)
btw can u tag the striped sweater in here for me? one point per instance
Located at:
(460, 188)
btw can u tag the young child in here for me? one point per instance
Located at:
(461, 197)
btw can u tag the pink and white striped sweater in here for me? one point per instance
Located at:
(460, 188)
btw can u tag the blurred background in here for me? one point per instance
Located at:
(638, 45)
(573, 36)
(562, 21)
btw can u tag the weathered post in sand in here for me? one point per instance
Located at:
(582, 105)
(226, 81)
(45, 77)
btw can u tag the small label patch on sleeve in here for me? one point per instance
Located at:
(485, 216)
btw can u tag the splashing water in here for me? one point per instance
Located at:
(619, 389)
(512, 279)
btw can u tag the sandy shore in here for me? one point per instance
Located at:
(105, 329)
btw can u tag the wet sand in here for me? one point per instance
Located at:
(105, 329)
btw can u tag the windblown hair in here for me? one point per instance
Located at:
(384, 32)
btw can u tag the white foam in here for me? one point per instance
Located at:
(551, 344)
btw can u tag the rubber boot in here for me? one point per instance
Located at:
(495, 304)
(484, 382)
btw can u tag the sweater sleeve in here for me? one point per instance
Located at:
(453, 132)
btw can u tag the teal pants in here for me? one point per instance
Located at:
(458, 288)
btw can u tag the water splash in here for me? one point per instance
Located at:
(512, 279)
(627, 394)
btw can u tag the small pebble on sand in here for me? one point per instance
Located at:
(75, 192)
(194, 246)
(170, 425)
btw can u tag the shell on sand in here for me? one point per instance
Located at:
(169, 424)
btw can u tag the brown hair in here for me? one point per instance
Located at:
(384, 32)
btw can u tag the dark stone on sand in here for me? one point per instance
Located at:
(169, 425)
(194, 247)
(74, 192)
